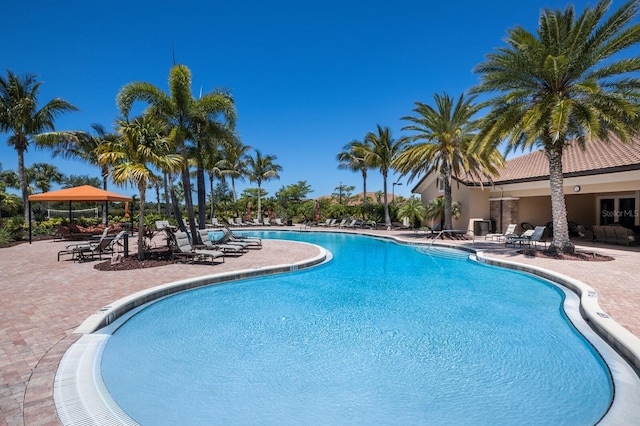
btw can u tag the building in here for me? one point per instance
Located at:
(601, 186)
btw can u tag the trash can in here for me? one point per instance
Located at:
(289, 222)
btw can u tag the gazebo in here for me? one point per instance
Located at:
(78, 193)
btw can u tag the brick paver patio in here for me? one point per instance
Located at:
(42, 301)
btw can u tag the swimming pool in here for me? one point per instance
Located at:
(383, 334)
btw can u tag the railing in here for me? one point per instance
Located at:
(453, 231)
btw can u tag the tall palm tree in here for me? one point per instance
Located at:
(567, 83)
(444, 134)
(207, 135)
(83, 146)
(380, 150)
(352, 157)
(180, 110)
(141, 147)
(20, 116)
(262, 168)
(234, 162)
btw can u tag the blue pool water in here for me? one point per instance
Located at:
(383, 334)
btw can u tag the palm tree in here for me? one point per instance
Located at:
(207, 134)
(567, 83)
(380, 150)
(211, 159)
(414, 210)
(82, 146)
(262, 168)
(352, 157)
(234, 162)
(181, 111)
(436, 210)
(131, 157)
(20, 116)
(445, 133)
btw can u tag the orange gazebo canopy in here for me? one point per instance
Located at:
(79, 193)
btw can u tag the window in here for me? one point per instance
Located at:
(440, 185)
(618, 209)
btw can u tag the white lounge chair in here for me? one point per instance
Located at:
(509, 232)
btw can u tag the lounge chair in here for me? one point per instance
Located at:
(83, 252)
(209, 244)
(214, 223)
(266, 221)
(351, 224)
(326, 222)
(164, 224)
(185, 249)
(340, 225)
(509, 232)
(231, 238)
(399, 225)
(239, 222)
(528, 237)
(72, 249)
(279, 222)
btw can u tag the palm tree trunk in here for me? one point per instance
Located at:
(387, 217)
(23, 185)
(233, 189)
(167, 193)
(561, 242)
(188, 199)
(105, 207)
(174, 204)
(259, 203)
(142, 187)
(202, 197)
(213, 204)
(364, 186)
(448, 199)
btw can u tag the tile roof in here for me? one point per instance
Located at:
(597, 157)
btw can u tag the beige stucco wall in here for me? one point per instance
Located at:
(534, 204)
(474, 202)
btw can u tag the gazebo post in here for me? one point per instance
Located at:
(29, 207)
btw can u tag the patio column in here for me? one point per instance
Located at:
(504, 211)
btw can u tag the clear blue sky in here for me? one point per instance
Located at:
(307, 76)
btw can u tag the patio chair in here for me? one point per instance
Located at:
(231, 238)
(528, 237)
(509, 232)
(185, 249)
(209, 244)
(214, 223)
(72, 249)
(352, 224)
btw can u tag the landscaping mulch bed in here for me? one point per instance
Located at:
(154, 257)
(581, 256)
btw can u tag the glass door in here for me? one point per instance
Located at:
(607, 211)
(626, 213)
